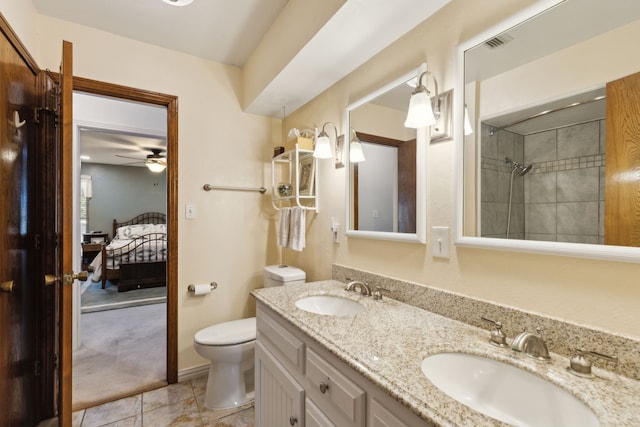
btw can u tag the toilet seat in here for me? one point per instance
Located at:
(228, 333)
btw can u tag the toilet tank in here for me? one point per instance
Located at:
(278, 275)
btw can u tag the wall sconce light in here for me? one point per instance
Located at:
(356, 155)
(468, 129)
(421, 114)
(323, 149)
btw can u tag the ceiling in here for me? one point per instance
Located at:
(117, 131)
(229, 31)
(543, 35)
(548, 33)
(220, 30)
(118, 148)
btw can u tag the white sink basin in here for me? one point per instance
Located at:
(505, 392)
(329, 305)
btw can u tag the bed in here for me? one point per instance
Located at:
(136, 257)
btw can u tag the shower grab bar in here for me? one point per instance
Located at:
(208, 187)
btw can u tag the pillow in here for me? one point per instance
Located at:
(137, 230)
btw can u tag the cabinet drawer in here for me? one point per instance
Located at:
(313, 416)
(288, 348)
(335, 394)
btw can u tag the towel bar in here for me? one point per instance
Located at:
(208, 187)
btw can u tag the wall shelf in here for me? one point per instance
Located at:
(298, 168)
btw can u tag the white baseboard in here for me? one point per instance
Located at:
(192, 373)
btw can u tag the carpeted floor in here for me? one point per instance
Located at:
(122, 352)
(94, 298)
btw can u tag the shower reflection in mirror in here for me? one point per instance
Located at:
(542, 176)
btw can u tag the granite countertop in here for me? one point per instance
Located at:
(387, 342)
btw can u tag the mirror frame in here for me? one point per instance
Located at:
(420, 236)
(578, 250)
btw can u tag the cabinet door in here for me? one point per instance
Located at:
(279, 397)
(314, 417)
(288, 349)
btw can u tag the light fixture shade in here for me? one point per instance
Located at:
(178, 2)
(356, 155)
(420, 113)
(155, 166)
(323, 147)
(468, 129)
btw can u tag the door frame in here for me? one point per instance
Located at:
(170, 102)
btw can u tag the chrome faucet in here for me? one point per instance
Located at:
(354, 284)
(531, 345)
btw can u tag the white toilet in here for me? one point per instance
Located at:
(230, 347)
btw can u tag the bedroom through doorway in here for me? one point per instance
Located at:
(120, 313)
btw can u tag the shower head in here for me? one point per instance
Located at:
(524, 169)
(521, 170)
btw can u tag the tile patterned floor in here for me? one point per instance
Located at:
(178, 405)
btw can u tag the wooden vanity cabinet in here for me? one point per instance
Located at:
(300, 383)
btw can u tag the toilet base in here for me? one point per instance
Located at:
(230, 385)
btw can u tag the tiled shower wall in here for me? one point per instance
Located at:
(561, 198)
(496, 177)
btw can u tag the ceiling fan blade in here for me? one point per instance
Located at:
(129, 157)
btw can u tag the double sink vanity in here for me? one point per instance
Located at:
(326, 356)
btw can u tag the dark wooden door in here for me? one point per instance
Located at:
(18, 356)
(407, 172)
(622, 188)
(65, 224)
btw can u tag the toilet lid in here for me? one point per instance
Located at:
(228, 333)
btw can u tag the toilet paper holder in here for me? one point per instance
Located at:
(192, 288)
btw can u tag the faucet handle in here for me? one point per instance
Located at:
(581, 366)
(498, 338)
(377, 294)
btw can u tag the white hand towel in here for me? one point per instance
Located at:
(284, 216)
(297, 228)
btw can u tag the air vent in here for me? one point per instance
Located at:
(498, 41)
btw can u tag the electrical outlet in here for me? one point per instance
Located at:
(190, 211)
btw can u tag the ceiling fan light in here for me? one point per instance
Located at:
(155, 166)
(178, 2)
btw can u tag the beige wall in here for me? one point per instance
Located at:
(233, 236)
(597, 293)
(381, 121)
(22, 16)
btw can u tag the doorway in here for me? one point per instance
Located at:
(164, 184)
(121, 149)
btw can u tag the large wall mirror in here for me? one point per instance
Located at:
(553, 163)
(386, 192)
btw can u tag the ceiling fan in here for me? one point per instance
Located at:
(156, 162)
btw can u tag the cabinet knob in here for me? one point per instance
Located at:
(293, 420)
(324, 387)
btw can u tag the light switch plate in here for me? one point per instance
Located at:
(190, 211)
(440, 242)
